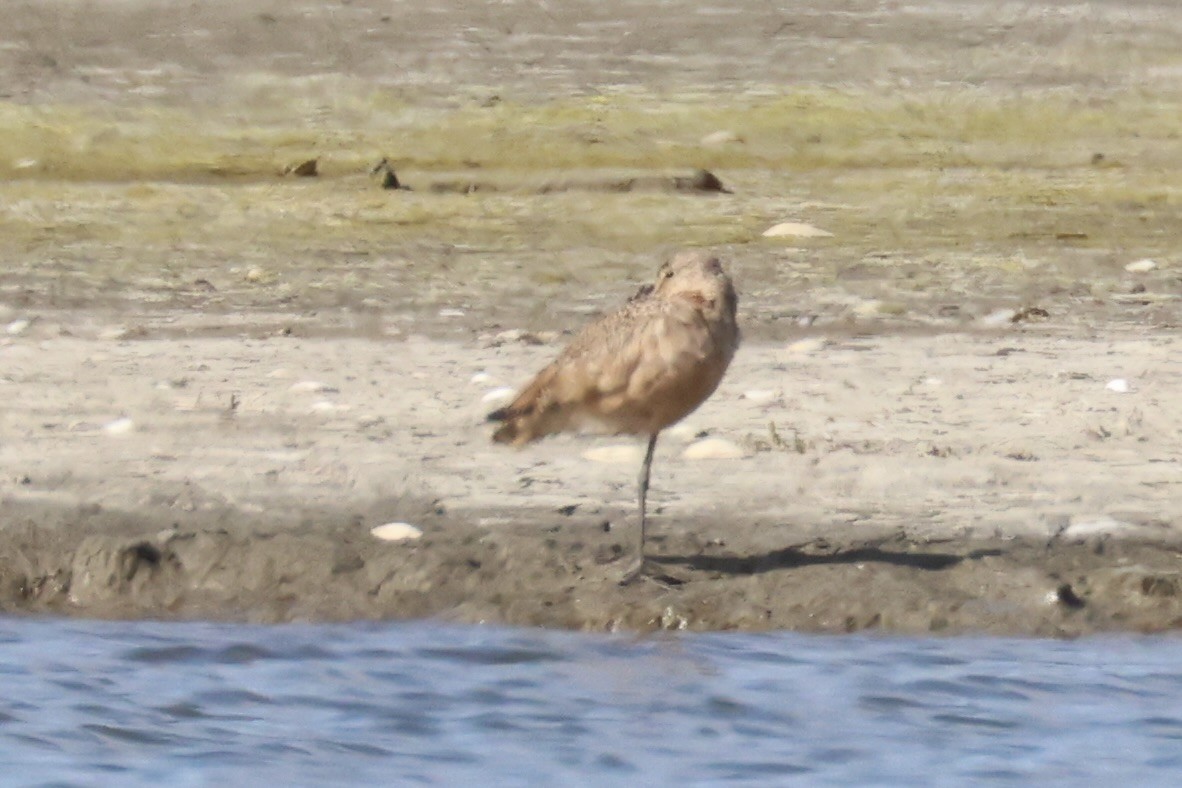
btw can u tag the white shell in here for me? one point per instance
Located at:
(119, 426)
(802, 346)
(619, 453)
(761, 396)
(795, 230)
(17, 326)
(1119, 385)
(713, 449)
(723, 137)
(502, 394)
(396, 532)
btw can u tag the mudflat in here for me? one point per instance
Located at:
(951, 412)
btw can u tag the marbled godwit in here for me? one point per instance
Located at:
(636, 370)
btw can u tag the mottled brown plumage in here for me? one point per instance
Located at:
(639, 369)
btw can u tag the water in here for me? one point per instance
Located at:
(90, 703)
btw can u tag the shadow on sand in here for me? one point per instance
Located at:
(791, 557)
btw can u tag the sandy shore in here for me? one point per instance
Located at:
(953, 414)
(948, 482)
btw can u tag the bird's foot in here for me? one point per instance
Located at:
(643, 569)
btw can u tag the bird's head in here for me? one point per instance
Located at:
(697, 275)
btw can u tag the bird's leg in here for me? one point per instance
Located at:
(645, 469)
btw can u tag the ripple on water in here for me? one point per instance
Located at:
(742, 771)
(152, 703)
(235, 654)
(889, 704)
(508, 655)
(976, 721)
(130, 735)
(230, 698)
(1163, 727)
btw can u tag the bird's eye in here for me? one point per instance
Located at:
(666, 273)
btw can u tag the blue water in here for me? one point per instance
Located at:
(95, 703)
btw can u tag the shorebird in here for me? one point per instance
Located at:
(637, 370)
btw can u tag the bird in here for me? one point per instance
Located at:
(636, 370)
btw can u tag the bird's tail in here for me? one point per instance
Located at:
(531, 415)
(519, 427)
(507, 432)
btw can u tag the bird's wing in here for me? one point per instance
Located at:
(664, 352)
(629, 370)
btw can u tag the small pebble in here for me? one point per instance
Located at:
(481, 377)
(1119, 385)
(795, 230)
(722, 137)
(874, 306)
(517, 335)
(119, 426)
(285, 456)
(451, 313)
(999, 317)
(311, 386)
(324, 406)
(1141, 266)
(18, 327)
(304, 169)
(866, 308)
(620, 453)
(713, 449)
(508, 335)
(396, 532)
(804, 346)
